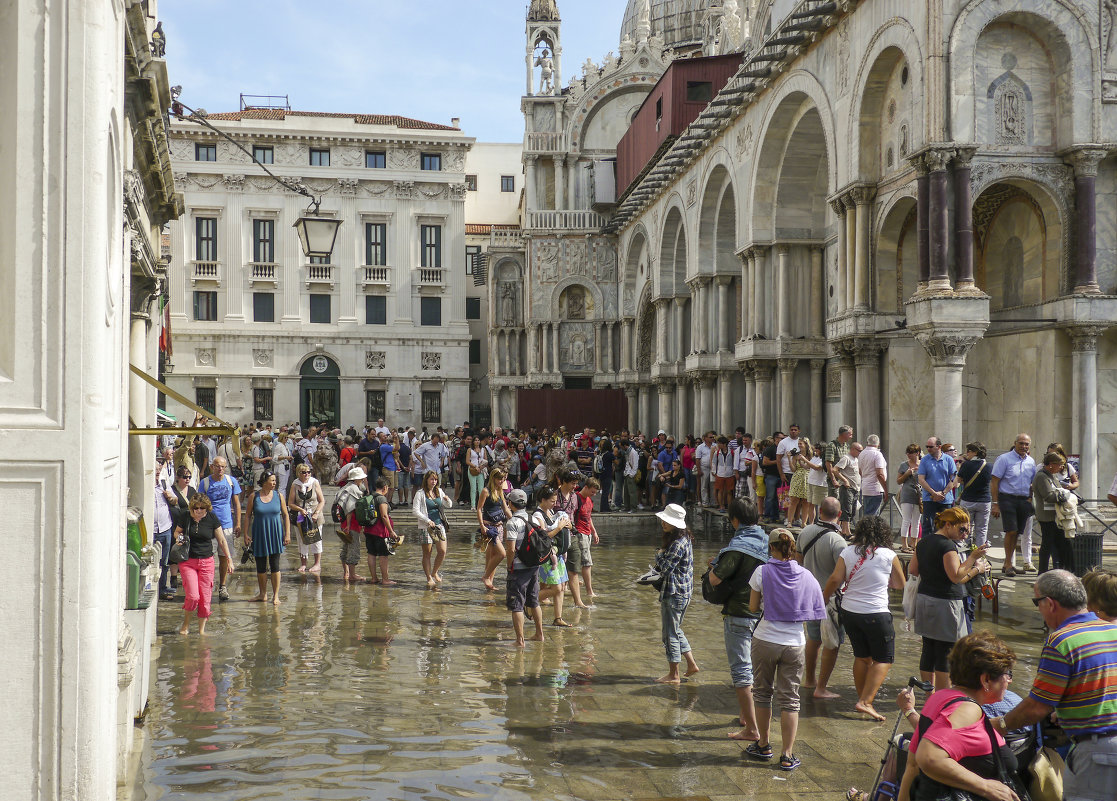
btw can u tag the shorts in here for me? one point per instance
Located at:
(351, 552)
(522, 589)
(230, 539)
(847, 498)
(378, 546)
(724, 484)
(815, 494)
(416, 479)
(389, 476)
(871, 635)
(579, 554)
(814, 630)
(738, 633)
(1015, 511)
(428, 537)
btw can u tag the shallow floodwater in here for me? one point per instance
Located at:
(366, 692)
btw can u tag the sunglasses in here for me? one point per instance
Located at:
(1035, 601)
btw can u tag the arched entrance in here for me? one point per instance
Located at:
(319, 392)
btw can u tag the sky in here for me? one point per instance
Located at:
(428, 59)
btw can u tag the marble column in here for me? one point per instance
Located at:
(662, 323)
(750, 401)
(849, 388)
(682, 411)
(839, 208)
(746, 293)
(599, 365)
(723, 328)
(697, 318)
(545, 347)
(494, 411)
(787, 392)
(783, 294)
(851, 252)
(725, 402)
(765, 372)
(631, 396)
(938, 220)
(866, 357)
(531, 197)
(762, 309)
(963, 220)
(1085, 163)
(947, 350)
(560, 182)
(922, 221)
(706, 415)
(818, 393)
(626, 343)
(818, 304)
(610, 355)
(666, 418)
(679, 307)
(645, 411)
(863, 197)
(752, 285)
(556, 363)
(1084, 415)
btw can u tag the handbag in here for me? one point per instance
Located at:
(1046, 770)
(911, 590)
(180, 551)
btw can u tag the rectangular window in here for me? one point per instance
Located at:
(432, 161)
(320, 309)
(205, 153)
(206, 397)
(263, 307)
(473, 308)
(430, 311)
(658, 110)
(263, 240)
(262, 404)
(471, 183)
(376, 244)
(376, 310)
(321, 259)
(472, 256)
(375, 404)
(376, 159)
(264, 155)
(507, 183)
(430, 238)
(205, 306)
(474, 351)
(205, 239)
(319, 157)
(699, 91)
(432, 407)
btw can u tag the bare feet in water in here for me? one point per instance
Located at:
(824, 695)
(751, 735)
(691, 671)
(275, 600)
(867, 709)
(257, 599)
(668, 679)
(184, 630)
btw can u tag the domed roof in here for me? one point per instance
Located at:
(675, 21)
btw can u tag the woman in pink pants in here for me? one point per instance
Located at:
(202, 529)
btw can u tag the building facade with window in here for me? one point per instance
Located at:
(378, 329)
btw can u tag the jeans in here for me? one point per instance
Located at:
(738, 648)
(771, 501)
(931, 510)
(164, 538)
(671, 611)
(979, 519)
(870, 505)
(606, 492)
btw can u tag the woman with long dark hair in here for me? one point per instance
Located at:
(675, 562)
(267, 531)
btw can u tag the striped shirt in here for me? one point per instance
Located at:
(1077, 674)
(677, 564)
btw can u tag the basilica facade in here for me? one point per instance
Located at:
(900, 216)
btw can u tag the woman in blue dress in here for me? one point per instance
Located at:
(267, 532)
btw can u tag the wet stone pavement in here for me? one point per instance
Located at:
(365, 692)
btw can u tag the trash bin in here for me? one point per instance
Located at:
(1086, 550)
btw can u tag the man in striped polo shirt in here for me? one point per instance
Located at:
(1077, 678)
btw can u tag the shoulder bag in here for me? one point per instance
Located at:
(180, 550)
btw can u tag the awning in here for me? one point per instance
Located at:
(161, 415)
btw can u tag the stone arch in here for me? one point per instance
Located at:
(545, 35)
(894, 49)
(717, 224)
(896, 262)
(672, 272)
(1016, 243)
(1066, 38)
(592, 291)
(306, 365)
(593, 103)
(645, 331)
(636, 257)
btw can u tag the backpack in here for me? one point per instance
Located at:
(561, 540)
(368, 509)
(725, 590)
(535, 547)
(296, 457)
(598, 464)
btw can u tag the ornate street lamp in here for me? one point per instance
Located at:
(317, 234)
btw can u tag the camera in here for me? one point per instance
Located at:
(793, 452)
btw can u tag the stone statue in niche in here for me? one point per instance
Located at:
(1011, 98)
(508, 314)
(578, 350)
(575, 303)
(546, 72)
(606, 269)
(1110, 8)
(576, 257)
(546, 261)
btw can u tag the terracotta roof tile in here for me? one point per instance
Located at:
(361, 119)
(478, 229)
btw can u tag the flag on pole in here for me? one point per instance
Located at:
(165, 334)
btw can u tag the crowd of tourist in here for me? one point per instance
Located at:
(790, 596)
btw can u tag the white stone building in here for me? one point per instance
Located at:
(85, 187)
(262, 334)
(897, 215)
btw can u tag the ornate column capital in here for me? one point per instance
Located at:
(664, 384)
(963, 155)
(838, 206)
(862, 195)
(948, 348)
(866, 352)
(782, 248)
(932, 158)
(818, 365)
(681, 300)
(787, 364)
(699, 280)
(1084, 337)
(723, 280)
(762, 370)
(706, 378)
(1085, 159)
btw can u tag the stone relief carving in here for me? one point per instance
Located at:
(289, 153)
(182, 149)
(320, 186)
(576, 347)
(431, 191)
(692, 192)
(743, 142)
(227, 151)
(259, 183)
(455, 161)
(403, 159)
(545, 118)
(405, 189)
(234, 183)
(572, 304)
(833, 381)
(629, 300)
(546, 260)
(431, 360)
(605, 261)
(375, 188)
(1058, 176)
(575, 256)
(205, 357)
(348, 156)
(1011, 106)
(1108, 17)
(843, 55)
(261, 357)
(376, 359)
(347, 186)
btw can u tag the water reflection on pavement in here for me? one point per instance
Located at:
(402, 693)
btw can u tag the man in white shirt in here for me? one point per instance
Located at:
(631, 465)
(431, 455)
(382, 429)
(783, 452)
(848, 472)
(746, 464)
(874, 477)
(702, 466)
(725, 473)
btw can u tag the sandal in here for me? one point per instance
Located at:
(562, 623)
(853, 794)
(789, 762)
(757, 751)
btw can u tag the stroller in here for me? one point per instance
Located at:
(894, 762)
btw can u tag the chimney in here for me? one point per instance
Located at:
(456, 122)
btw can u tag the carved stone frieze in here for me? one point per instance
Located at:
(404, 189)
(431, 191)
(347, 186)
(431, 360)
(946, 348)
(375, 188)
(403, 158)
(205, 357)
(376, 359)
(261, 357)
(1057, 176)
(348, 156)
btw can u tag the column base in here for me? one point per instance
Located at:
(939, 285)
(1087, 289)
(968, 289)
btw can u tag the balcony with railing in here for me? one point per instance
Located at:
(322, 274)
(575, 219)
(205, 271)
(265, 272)
(376, 276)
(543, 142)
(432, 277)
(506, 237)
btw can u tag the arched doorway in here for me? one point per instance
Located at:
(319, 392)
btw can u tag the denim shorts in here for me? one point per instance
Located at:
(738, 648)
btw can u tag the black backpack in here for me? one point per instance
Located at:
(535, 547)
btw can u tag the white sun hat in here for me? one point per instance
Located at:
(674, 515)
